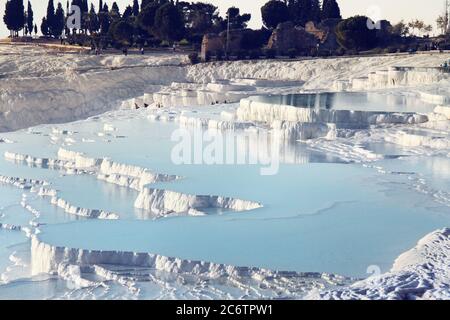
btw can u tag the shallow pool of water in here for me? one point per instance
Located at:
(319, 213)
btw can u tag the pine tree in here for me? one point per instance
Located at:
(331, 10)
(273, 13)
(303, 11)
(100, 6)
(135, 8)
(30, 18)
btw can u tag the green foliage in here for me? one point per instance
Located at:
(193, 58)
(135, 8)
(44, 27)
(50, 17)
(340, 51)
(353, 34)
(169, 23)
(241, 54)
(93, 20)
(30, 18)
(273, 13)
(164, 44)
(146, 18)
(128, 12)
(201, 17)
(14, 16)
(330, 10)
(58, 22)
(184, 42)
(122, 32)
(237, 21)
(255, 39)
(292, 53)
(219, 54)
(270, 53)
(303, 11)
(254, 54)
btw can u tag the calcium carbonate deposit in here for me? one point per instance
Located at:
(144, 177)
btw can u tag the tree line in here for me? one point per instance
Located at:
(155, 21)
(163, 22)
(300, 12)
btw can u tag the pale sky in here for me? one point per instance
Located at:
(392, 10)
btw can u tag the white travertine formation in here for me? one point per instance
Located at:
(165, 202)
(420, 273)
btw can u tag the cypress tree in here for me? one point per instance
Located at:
(135, 8)
(14, 16)
(331, 10)
(115, 8)
(30, 18)
(44, 27)
(315, 11)
(93, 24)
(128, 12)
(84, 6)
(50, 17)
(58, 21)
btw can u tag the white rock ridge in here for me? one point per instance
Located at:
(250, 110)
(165, 202)
(46, 258)
(420, 273)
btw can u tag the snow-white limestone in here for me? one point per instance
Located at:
(82, 212)
(420, 273)
(393, 77)
(22, 183)
(444, 110)
(250, 110)
(165, 202)
(130, 176)
(411, 139)
(46, 258)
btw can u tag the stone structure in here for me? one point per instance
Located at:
(324, 33)
(212, 43)
(287, 37)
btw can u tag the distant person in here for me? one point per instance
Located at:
(174, 47)
(142, 51)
